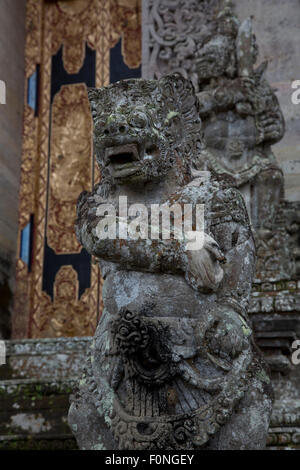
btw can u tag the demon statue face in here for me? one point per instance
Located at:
(173, 363)
(215, 59)
(141, 130)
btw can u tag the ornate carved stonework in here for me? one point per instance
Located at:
(173, 363)
(172, 30)
(240, 112)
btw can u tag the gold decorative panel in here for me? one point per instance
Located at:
(70, 164)
(126, 20)
(58, 291)
(72, 25)
(33, 35)
(75, 7)
(29, 171)
(66, 315)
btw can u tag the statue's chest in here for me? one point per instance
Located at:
(161, 295)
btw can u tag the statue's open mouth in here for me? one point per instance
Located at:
(125, 160)
(123, 154)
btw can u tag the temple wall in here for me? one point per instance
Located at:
(276, 25)
(12, 36)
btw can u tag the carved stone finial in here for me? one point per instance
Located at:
(244, 46)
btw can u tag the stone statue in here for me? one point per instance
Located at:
(241, 117)
(173, 364)
(241, 120)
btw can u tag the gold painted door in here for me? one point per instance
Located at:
(70, 45)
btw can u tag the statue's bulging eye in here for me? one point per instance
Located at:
(172, 120)
(100, 125)
(138, 119)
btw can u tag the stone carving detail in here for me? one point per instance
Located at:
(241, 116)
(171, 34)
(173, 364)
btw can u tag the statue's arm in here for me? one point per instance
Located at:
(201, 267)
(221, 98)
(231, 333)
(138, 254)
(234, 236)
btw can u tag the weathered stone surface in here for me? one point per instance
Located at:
(44, 359)
(173, 363)
(34, 414)
(36, 397)
(35, 385)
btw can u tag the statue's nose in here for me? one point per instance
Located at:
(115, 125)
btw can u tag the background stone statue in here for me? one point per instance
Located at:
(205, 42)
(242, 119)
(173, 364)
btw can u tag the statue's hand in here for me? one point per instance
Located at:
(226, 338)
(204, 266)
(271, 126)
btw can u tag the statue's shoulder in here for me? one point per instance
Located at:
(223, 202)
(228, 205)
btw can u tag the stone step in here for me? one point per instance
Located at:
(56, 359)
(33, 414)
(35, 385)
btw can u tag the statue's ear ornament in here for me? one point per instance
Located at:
(92, 96)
